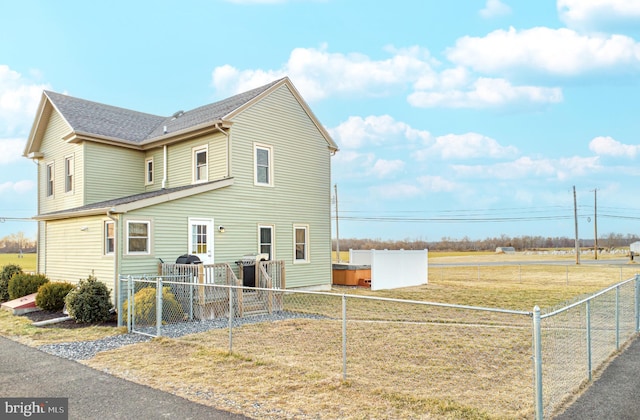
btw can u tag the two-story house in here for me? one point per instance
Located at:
(120, 190)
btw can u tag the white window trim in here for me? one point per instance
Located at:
(306, 259)
(106, 238)
(51, 181)
(69, 170)
(148, 250)
(257, 146)
(146, 172)
(273, 239)
(194, 152)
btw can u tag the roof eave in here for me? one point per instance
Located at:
(186, 133)
(137, 204)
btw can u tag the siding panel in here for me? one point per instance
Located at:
(55, 150)
(112, 172)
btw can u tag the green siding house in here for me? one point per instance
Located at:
(120, 191)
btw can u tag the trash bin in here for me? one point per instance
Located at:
(248, 266)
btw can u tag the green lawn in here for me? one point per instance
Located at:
(26, 261)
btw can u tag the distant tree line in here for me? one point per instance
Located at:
(17, 242)
(520, 243)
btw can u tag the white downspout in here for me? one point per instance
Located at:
(116, 239)
(228, 134)
(164, 167)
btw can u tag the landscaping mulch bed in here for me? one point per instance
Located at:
(46, 315)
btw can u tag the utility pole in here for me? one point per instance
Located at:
(575, 218)
(595, 222)
(335, 186)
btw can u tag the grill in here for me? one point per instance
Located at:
(188, 259)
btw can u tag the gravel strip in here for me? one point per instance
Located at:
(83, 350)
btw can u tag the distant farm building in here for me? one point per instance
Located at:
(505, 250)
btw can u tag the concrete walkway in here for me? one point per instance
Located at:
(28, 372)
(615, 395)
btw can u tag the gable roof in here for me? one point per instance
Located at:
(89, 120)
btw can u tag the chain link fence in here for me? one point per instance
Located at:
(578, 339)
(511, 364)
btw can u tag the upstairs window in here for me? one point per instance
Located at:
(200, 164)
(263, 158)
(68, 174)
(301, 244)
(148, 168)
(50, 179)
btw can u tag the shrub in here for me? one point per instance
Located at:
(89, 302)
(144, 302)
(5, 275)
(22, 284)
(51, 296)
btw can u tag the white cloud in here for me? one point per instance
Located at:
(466, 146)
(19, 187)
(561, 52)
(357, 132)
(11, 150)
(495, 8)
(561, 169)
(384, 168)
(318, 73)
(594, 13)
(396, 191)
(19, 100)
(486, 93)
(607, 146)
(431, 183)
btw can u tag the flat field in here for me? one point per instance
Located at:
(26, 261)
(404, 360)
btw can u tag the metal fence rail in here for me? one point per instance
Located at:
(434, 347)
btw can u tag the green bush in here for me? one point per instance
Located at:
(51, 296)
(22, 284)
(5, 275)
(144, 302)
(89, 302)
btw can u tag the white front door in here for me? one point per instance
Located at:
(201, 239)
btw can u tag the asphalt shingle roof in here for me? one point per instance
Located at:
(136, 127)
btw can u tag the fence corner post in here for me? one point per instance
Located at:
(158, 306)
(537, 363)
(637, 302)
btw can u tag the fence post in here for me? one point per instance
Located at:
(344, 337)
(130, 305)
(637, 303)
(588, 315)
(120, 300)
(158, 306)
(537, 363)
(618, 318)
(230, 319)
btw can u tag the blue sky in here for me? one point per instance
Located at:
(454, 118)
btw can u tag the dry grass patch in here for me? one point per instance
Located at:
(21, 329)
(403, 360)
(289, 369)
